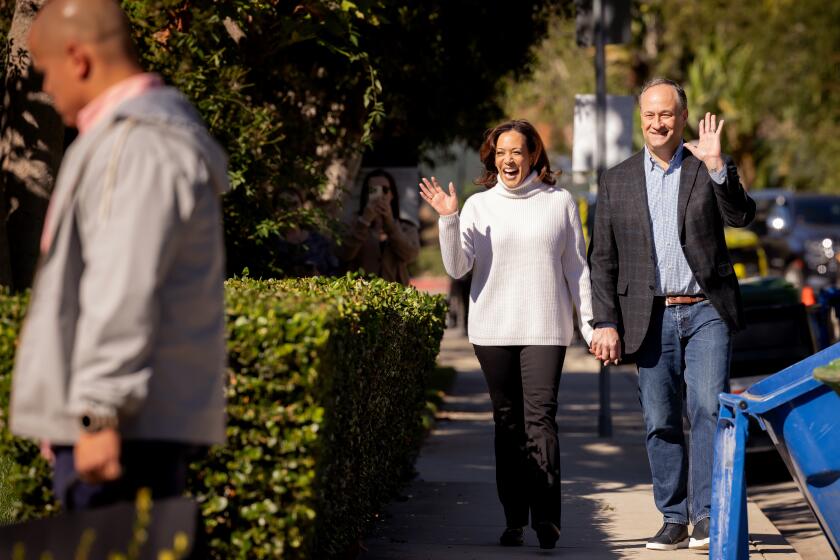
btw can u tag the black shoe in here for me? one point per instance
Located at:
(700, 535)
(670, 537)
(512, 537)
(547, 533)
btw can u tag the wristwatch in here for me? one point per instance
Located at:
(92, 423)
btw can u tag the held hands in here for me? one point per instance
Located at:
(606, 345)
(443, 203)
(97, 456)
(707, 148)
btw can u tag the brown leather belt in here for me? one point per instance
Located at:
(684, 300)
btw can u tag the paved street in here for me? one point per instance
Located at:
(451, 510)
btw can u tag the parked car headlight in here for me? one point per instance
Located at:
(828, 247)
(777, 223)
(819, 249)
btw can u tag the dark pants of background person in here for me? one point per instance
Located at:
(161, 466)
(523, 383)
(686, 346)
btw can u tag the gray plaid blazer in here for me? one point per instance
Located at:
(621, 255)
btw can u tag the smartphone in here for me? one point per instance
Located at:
(375, 193)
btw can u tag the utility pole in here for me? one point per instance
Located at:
(598, 23)
(600, 88)
(604, 408)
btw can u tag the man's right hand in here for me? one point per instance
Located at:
(606, 345)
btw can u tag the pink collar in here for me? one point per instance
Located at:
(109, 99)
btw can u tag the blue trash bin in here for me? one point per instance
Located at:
(802, 417)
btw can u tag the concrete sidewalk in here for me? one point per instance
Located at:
(451, 509)
(783, 504)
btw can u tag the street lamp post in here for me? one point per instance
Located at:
(604, 412)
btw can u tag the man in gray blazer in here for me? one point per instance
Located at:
(664, 288)
(120, 368)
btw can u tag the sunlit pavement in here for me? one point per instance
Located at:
(451, 510)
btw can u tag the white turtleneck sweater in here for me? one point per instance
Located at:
(526, 249)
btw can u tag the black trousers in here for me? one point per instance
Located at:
(523, 383)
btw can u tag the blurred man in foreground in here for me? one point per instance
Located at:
(121, 361)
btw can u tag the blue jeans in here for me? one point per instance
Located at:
(684, 358)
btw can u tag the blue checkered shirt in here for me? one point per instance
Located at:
(673, 274)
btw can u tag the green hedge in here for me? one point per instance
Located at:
(25, 479)
(326, 396)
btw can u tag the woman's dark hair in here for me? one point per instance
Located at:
(539, 159)
(395, 199)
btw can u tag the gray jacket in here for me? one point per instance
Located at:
(127, 312)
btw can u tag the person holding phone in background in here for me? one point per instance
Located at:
(379, 242)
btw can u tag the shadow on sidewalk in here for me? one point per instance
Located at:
(442, 520)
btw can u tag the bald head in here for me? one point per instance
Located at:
(98, 23)
(82, 47)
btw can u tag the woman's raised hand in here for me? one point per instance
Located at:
(443, 203)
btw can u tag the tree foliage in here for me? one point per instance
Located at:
(561, 70)
(31, 147)
(444, 66)
(770, 67)
(292, 88)
(284, 86)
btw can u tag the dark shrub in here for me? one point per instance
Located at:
(326, 395)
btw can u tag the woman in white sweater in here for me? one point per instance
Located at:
(522, 240)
